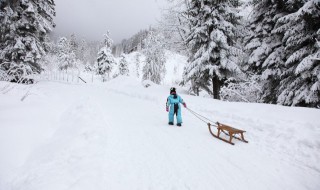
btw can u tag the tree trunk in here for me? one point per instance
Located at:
(216, 84)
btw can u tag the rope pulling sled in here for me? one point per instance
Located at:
(227, 130)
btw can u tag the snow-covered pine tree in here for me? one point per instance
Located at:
(137, 60)
(83, 51)
(24, 28)
(212, 40)
(154, 68)
(265, 49)
(73, 43)
(50, 60)
(105, 60)
(300, 83)
(123, 66)
(66, 56)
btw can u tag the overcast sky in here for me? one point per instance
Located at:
(90, 19)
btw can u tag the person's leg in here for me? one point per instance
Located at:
(171, 115)
(179, 118)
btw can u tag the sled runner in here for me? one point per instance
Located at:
(229, 131)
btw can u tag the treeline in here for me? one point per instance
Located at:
(70, 52)
(271, 56)
(134, 43)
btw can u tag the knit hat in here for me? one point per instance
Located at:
(173, 90)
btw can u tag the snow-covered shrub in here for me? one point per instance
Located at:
(3, 75)
(147, 83)
(88, 67)
(242, 91)
(18, 73)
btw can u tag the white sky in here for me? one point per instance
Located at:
(90, 19)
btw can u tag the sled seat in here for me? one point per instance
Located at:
(230, 131)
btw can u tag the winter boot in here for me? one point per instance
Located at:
(179, 124)
(170, 123)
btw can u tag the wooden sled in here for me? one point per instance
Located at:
(229, 131)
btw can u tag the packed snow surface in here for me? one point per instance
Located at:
(114, 135)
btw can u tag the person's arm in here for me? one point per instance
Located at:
(182, 102)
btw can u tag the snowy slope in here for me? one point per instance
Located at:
(115, 136)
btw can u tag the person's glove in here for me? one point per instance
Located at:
(167, 108)
(184, 105)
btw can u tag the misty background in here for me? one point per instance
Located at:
(90, 19)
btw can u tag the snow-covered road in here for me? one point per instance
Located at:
(115, 136)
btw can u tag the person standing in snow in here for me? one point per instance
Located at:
(173, 106)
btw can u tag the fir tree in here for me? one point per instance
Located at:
(137, 59)
(73, 43)
(83, 53)
(154, 69)
(281, 50)
(24, 28)
(66, 56)
(265, 49)
(212, 40)
(105, 60)
(123, 66)
(300, 83)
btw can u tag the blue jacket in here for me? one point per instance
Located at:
(171, 100)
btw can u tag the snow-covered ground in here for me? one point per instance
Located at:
(114, 135)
